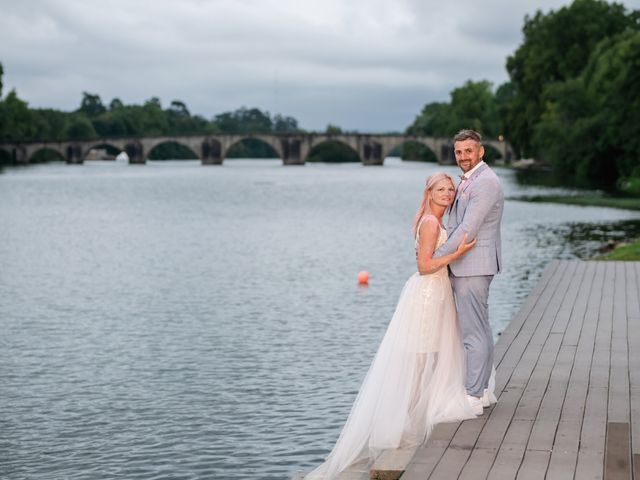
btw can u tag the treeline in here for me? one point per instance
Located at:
(93, 119)
(572, 99)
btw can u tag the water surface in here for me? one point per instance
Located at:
(171, 320)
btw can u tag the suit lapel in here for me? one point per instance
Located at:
(472, 178)
(460, 192)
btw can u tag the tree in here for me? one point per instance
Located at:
(1, 73)
(115, 104)
(556, 48)
(284, 124)
(244, 120)
(179, 109)
(91, 105)
(16, 120)
(333, 130)
(432, 121)
(80, 128)
(473, 105)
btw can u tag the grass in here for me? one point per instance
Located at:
(628, 203)
(624, 251)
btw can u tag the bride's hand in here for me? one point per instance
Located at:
(464, 247)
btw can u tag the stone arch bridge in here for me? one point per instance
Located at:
(292, 148)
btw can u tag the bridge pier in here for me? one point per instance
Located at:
(135, 152)
(211, 152)
(74, 154)
(292, 151)
(371, 153)
(19, 156)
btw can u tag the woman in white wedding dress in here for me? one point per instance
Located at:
(416, 378)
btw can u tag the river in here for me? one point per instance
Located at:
(171, 320)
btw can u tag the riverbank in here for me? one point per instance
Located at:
(627, 203)
(623, 251)
(627, 250)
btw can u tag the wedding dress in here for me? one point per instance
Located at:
(415, 381)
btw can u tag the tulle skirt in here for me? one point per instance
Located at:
(415, 381)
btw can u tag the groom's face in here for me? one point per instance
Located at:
(468, 154)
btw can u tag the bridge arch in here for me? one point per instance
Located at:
(40, 154)
(418, 149)
(234, 142)
(491, 153)
(260, 145)
(342, 151)
(6, 156)
(171, 150)
(108, 146)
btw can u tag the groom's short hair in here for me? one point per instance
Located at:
(467, 134)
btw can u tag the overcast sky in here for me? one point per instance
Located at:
(367, 65)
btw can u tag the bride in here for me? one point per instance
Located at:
(416, 378)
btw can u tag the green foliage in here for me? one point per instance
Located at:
(171, 151)
(80, 127)
(46, 155)
(629, 252)
(284, 124)
(16, 120)
(1, 73)
(251, 148)
(19, 123)
(473, 105)
(333, 130)
(417, 151)
(630, 186)
(244, 120)
(333, 151)
(556, 48)
(91, 105)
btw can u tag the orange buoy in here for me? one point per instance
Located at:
(363, 278)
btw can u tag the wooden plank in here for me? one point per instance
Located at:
(632, 277)
(516, 323)
(478, 465)
(431, 454)
(509, 457)
(568, 383)
(459, 449)
(618, 452)
(590, 462)
(540, 356)
(534, 465)
(516, 345)
(546, 422)
(580, 331)
(619, 407)
(391, 464)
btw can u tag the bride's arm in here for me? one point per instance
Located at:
(428, 235)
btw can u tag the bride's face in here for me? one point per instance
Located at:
(443, 192)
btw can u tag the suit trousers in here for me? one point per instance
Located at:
(472, 303)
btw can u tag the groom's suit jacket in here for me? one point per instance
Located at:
(476, 211)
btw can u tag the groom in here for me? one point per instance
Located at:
(476, 211)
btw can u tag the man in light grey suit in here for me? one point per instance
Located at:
(477, 212)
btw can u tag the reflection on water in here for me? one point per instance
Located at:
(177, 321)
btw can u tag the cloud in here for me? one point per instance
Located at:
(366, 65)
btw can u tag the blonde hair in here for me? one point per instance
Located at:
(425, 205)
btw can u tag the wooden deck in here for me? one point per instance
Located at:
(568, 387)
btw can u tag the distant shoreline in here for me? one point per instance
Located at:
(626, 203)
